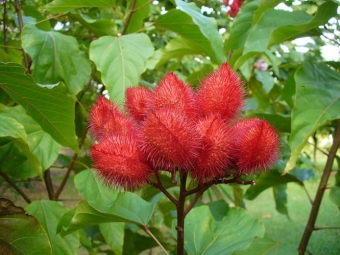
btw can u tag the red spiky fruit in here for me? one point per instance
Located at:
(173, 93)
(169, 139)
(138, 102)
(221, 93)
(106, 119)
(215, 153)
(120, 163)
(255, 144)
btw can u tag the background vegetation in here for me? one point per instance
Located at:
(57, 56)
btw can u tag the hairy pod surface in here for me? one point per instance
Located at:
(120, 163)
(169, 139)
(255, 145)
(221, 94)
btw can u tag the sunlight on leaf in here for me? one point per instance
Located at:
(121, 60)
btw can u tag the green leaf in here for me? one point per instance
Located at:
(280, 196)
(21, 233)
(92, 188)
(242, 26)
(56, 57)
(289, 26)
(281, 122)
(16, 157)
(113, 234)
(121, 60)
(51, 108)
(67, 5)
(204, 235)
(49, 213)
(199, 32)
(267, 180)
(266, 79)
(41, 143)
(127, 207)
(265, 246)
(334, 195)
(319, 84)
(140, 12)
(100, 27)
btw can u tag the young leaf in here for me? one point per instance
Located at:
(49, 213)
(198, 31)
(319, 84)
(121, 60)
(56, 57)
(51, 108)
(67, 5)
(204, 235)
(21, 233)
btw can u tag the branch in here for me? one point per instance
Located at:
(4, 26)
(69, 168)
(160, 186)
(12, 183)
(322, 228)
(147, 230)
(321, 189)
(128, 19)
(21, 25)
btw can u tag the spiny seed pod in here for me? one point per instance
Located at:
(119, 162)
(169, 139)
(138, 102)
(221, 93)
(214, 156)
(255, 145)
(106, 119)
(173, 93)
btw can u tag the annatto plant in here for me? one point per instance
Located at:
(189, 134)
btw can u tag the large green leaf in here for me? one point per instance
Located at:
(317, 101)
(21, 233)
(204, 235)
(270, 30)
(51, 108)
(16, 157)
(127, 207)
(268, 180)
(49, 213)
(199, 32)
(121, 60)
(266, 246)
(56, 57)
(92, 188)
(67, 5)
(41, 143)
(248, 16)
(113, 234)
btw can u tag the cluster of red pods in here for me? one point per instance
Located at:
(176, 128)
